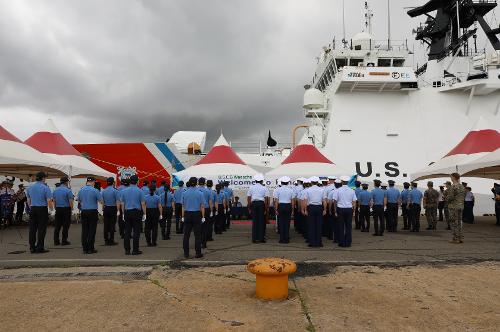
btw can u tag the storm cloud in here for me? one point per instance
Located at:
(115, 70)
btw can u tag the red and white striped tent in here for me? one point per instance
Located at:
(21, 160)
(52, 143)
(221, 164)
(306, 160)
(483, 138)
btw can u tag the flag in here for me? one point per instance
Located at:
(270, 141)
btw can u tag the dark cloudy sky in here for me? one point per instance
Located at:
(130, 70)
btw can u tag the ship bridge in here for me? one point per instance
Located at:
(377, 79)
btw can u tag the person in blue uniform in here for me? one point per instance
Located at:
(40, 202)
(283, 207)
(393, 201)
(229, 197)
(63, 201)
(178, 207)
(110, 209)
(208, 203)
(161, 189)
(211, 220)
(134, 211)
(404, 206)
(220, 204)
(124, 183)
(315, 210)
(328, 218)
(344, 201)
(89, 199)
(379, 202)
(297, 211)
(258, 203)
(415, 206)
(357, 190)
(145, 187)
(153, 215)
(364, 200)
(193, 216)
(167, 202)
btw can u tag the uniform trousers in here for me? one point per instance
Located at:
(497, 212)
(392, 216)
(345, 225)
(62, 220)
(314, 224)
(415, 210)
(20, 211)
(133, 221)
(89, 225)
(335, 227)
(440, 209)
(205, 228)
(378, 219)
(285, 214)
(39, 218)
(219, 219)
(228, 215)
(456, 224)
(364, 217)
(211, 224)
(406, 216)
(468, 212)
(327, 226)
(121, 224)
(178, 216)
(357, 222)
(109, 218)
(166, 222)
(258, 221)
(431, 216)
(192, 222)
(151, 227)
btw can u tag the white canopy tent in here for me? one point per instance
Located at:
(485, 167)
(221, 164)
(483, 139)
(52, 143)
(20, 160)
(305, 161)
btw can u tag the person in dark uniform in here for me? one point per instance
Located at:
(496, 198)
(153, 215)
(63, 201)
(404, 206)
(441, 203)
(357, 190)
(178, 207)
(110, 209)
(258, 204)
(208, 203)
(379, 198)
(89, 198)
(20, 203)
(121, 222)
(393, 201)
(193, 216)
(415, 206)
(220, 204)
(364, 200)
(134, 206)
(167, 202)
(40, 202)
(213, 216)
(229, 197)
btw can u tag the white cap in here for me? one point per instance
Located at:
(258, 177)
(307, 181)
(280, 180)
(314, 179)
(345, 178)
(332, 177)
(285, 179)
(338, 181)
(301, 179)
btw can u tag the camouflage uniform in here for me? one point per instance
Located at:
(455, 199)
(431, 199)
(446, 210)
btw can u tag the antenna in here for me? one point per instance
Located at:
(368, 18)
(344, 41)
(388, 24)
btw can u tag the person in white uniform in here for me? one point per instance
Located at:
(258, 203)
(344, 201)
(315, 211)
(283, 207)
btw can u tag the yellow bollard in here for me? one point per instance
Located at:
(271, 277)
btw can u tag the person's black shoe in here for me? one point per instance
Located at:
(33, 251)
(93, 251)
(320, 245)
(127, 253)
(57, 243)
(198, 256)
(310, 246)
(263, 241)
(135, 253)
(155, 244)
(204, 246)
(167, 238)
(210, 240)
(113, 243)
(449, 228)
(186, 256)
(150, 245)
(66, 243)
(255, 241)
(42, 251)
(375, 234)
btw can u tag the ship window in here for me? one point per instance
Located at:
(356, 62)
(341, 63)
(398, 62)
(328, 76)
(384, 62)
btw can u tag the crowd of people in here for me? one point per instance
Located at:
(319, 208)
(11, 201)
